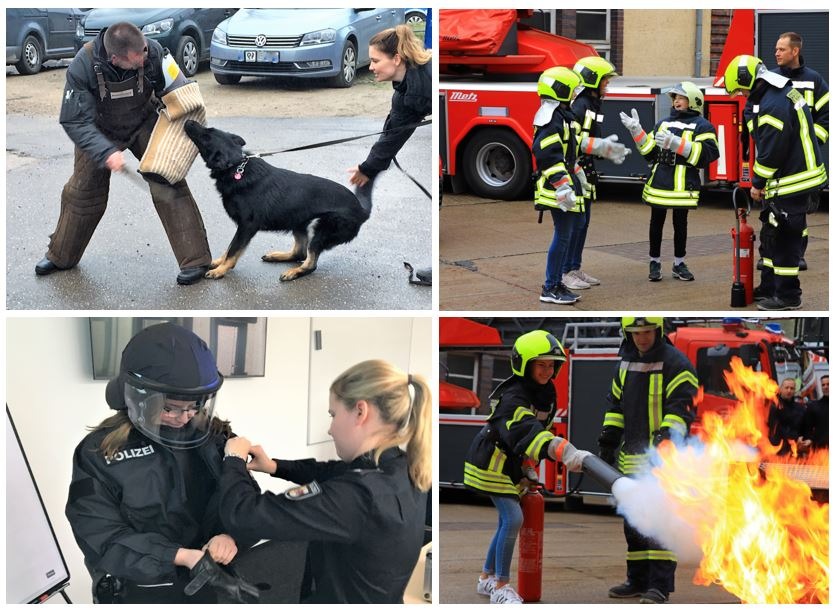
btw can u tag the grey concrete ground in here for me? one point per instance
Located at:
(493, 256)
(584, 556)
(129, 264)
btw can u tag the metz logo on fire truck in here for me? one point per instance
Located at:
(458, 96)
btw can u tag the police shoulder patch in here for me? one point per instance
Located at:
(302, 492)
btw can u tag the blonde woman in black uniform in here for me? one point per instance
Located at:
(363, 515)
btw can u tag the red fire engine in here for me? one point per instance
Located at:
(486, 125)
(582, 384)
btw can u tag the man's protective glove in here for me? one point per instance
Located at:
(608, 442)
(607, 454)
(608, 148)
(561, 450)
(674, 143)
(587, 188)
(564, 194)
(634, 126)
(232, 588)
(661, 434)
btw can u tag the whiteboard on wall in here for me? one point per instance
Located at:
(339, 343)
(35, 567)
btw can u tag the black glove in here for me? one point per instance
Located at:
(233, 588)
(661, 434)
(607, 454)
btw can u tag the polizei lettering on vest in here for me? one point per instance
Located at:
(131, 453)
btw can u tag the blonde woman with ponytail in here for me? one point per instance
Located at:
(364, 514)
(398, 56)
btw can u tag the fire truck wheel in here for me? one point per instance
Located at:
(497, 164)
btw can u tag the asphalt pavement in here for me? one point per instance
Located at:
(493, 256)
(583, 556)
(129, 264)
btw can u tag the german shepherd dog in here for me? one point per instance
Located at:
(259, 197)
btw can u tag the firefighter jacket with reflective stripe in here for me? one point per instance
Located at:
(788, 159)
(674, 179)
(587, 109)
(816, 93)
(518, 427)
(555, 149)
(649, 393)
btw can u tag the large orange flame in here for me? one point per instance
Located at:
(762, 536)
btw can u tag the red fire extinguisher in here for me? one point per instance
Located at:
(530, 569)
(743, 237)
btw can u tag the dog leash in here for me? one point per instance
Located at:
(349, 139)
(328, 143)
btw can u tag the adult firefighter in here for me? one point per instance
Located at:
(650, 401)
(678, 148)
(787, 171)
(816, 93)
(108, 106)
(522, 409)
(562, 182)
(595, 73)
(144, 497)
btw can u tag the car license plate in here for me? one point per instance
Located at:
(261, 56)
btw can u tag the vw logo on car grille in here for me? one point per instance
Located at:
(260, 40)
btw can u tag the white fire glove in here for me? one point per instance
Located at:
(585, 186)
(531, 474)
(608, 148)
(564, 194)
(666, 140)
(634, 126)
(632, 123)
(562, 450)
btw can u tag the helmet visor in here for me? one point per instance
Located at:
(174, 420)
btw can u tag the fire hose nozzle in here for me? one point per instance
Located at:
(601, 471)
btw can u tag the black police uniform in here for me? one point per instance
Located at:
(131, 513)
(651, 396)
(517, 428)
(788, 168)
(106, 109)
(364, 522)
(411, 102)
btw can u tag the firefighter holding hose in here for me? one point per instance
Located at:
(522, 409)
(650, 401)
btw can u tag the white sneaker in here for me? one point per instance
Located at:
(587, 278)
(506, 595)
(573, 282)
(486, 586)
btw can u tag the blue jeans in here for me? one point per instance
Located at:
(573, 260)
(566, 226)
(501, 549)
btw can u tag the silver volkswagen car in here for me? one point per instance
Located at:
(308, 43)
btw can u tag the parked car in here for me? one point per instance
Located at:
(306, 43)
(185, 32)
(34, 36)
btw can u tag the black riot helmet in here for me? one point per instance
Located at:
(167, 382)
